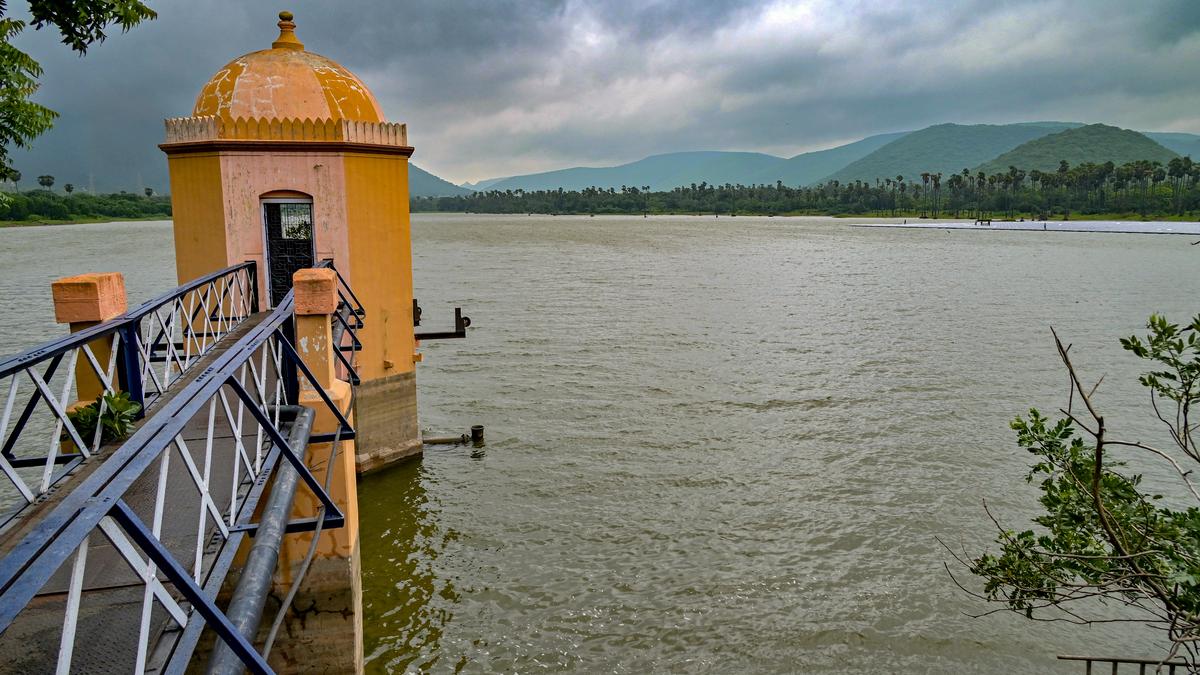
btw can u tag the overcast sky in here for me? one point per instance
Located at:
(502, 87)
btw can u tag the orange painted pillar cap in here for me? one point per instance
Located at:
(315, 291)
(98, 296)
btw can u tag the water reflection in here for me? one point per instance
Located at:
(401, 542)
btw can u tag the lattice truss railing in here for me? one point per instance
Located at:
(40, 442)
(347, 321)
(138, 550)
(142, 352)
(180, 329)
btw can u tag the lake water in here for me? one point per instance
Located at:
(714, 445)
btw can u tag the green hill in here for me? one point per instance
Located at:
(421, 183)
(668, 171)
(948, 148)
(1097, 143)
(1185, 145)
(810, 167)
(660, 172)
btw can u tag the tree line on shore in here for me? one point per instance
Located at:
(1141, 187)
(37, 205)
(1145, 188)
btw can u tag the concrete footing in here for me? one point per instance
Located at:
(323, 632)
(386, 410)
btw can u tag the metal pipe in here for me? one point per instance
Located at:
(445, 440)
(250, 595)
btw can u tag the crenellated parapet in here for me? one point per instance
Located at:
(213, 128)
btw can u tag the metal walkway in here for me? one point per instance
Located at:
(112, 556)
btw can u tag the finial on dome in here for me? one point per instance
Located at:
(287, 33)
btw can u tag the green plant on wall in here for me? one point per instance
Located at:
(116, 420)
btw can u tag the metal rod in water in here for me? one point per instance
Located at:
(445, 440)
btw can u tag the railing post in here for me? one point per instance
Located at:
(330, 636)
(82, 301)
(291, 381)
(252, 279)
(129, 364)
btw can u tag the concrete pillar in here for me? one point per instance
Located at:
(324, 632)
(83, 301)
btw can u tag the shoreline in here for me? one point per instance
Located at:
(1093, 217)
(79, 221)
(899, 222)
(1120, 227)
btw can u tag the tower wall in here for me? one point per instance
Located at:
(198, 208)
(287, 123)
(381, 274)
(282, 121)
(246, 176)
(356, 175)
(221, 224)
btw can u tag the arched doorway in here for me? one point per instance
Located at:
(288, 237)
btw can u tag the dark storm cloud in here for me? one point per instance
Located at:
(495, 88)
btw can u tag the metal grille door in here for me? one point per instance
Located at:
(289, 244)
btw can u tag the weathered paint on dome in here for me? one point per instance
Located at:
(286, 82)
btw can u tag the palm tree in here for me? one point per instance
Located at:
(924, 193)
(1176, 171)
(937, 194)
(46, 181)
(980, 184)
(69, 188)
(955, 182)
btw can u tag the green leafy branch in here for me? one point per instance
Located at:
(1101, 538)
(81, 24)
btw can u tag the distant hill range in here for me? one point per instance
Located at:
(948, 148)
(1184, 145)
(945, 148)
(1097, 143)
(664, 172)
(658, 171)
(421, 183)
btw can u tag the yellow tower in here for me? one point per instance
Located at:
(287, 160)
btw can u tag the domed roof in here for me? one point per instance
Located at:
(286, 82)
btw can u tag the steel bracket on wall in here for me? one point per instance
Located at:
(461, 323)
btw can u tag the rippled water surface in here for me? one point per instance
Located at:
(715, 445)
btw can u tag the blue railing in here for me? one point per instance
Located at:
(148, 349)
(1168, 666)
(183, 325)
(212, 448)
(346, 322)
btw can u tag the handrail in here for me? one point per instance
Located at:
(150, 347)
(16, 362)
(11, 365)
(148, 306)
(249, 373)
(347, 320)
(344, 291)
(1117, 662)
